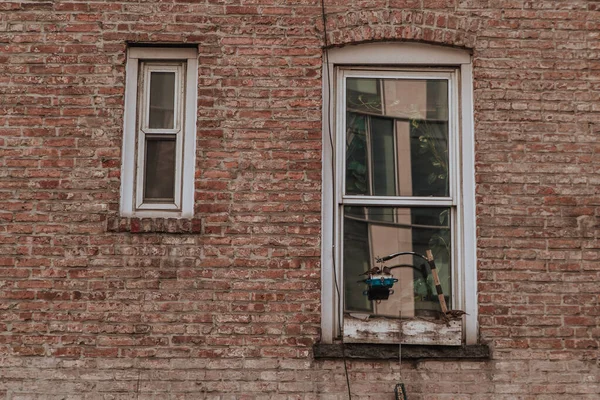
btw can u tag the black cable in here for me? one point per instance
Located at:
(326, 59)
(402, 253)
(330, 136)
(421, 270)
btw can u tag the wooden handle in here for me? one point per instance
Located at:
(436, 280)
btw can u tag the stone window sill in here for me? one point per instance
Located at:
(409, 351)
(154, 225)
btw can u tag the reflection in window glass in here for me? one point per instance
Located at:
(364, 95)
(382, 154)
(380, 231)
(397, 137)
(357, 179)
(429, 158)
(357, 259)
(162, 100)
(159, 176)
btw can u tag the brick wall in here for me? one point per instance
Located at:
(229, 307)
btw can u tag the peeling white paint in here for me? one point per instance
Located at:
(413, 331)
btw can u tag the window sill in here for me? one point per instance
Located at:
(409, 352)
(154, 225)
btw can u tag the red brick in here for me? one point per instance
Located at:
(228, 302)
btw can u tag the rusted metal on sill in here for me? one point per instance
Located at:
(363, 351)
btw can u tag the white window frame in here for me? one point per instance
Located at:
(141, 61)
(410, 60)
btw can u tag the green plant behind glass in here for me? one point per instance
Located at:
(356, 155)
(433, 145)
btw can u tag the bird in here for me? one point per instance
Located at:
(455, 314)
(374, 270)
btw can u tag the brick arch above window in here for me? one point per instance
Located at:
(434, 27)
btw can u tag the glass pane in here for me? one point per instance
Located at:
(382, 154)
(356, 254)
(162, 100)
(357, 180)
(402, 151)
(159, 177)
(364, 95)
(429, 155)
(381, 231)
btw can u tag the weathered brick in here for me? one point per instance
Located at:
(227, 304)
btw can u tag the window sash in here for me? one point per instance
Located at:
(144, 133)
(375, 229)
(451, 76)
(453, 200)
(179, 94)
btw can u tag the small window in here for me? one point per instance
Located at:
(160, 132)
(400, 133)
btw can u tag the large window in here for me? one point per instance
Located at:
(159, 134)
(401, 182)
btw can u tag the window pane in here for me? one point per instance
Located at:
(381, 231)
(356, 254)
(382, 154)
(159, 177)
(357, 179)
(404, 150)
(162, 100)
(364, 95)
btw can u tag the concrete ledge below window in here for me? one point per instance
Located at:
(154, 225)
(409, 351)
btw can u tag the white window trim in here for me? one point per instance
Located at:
(398, 55)
(144, 130)
(130, 203)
